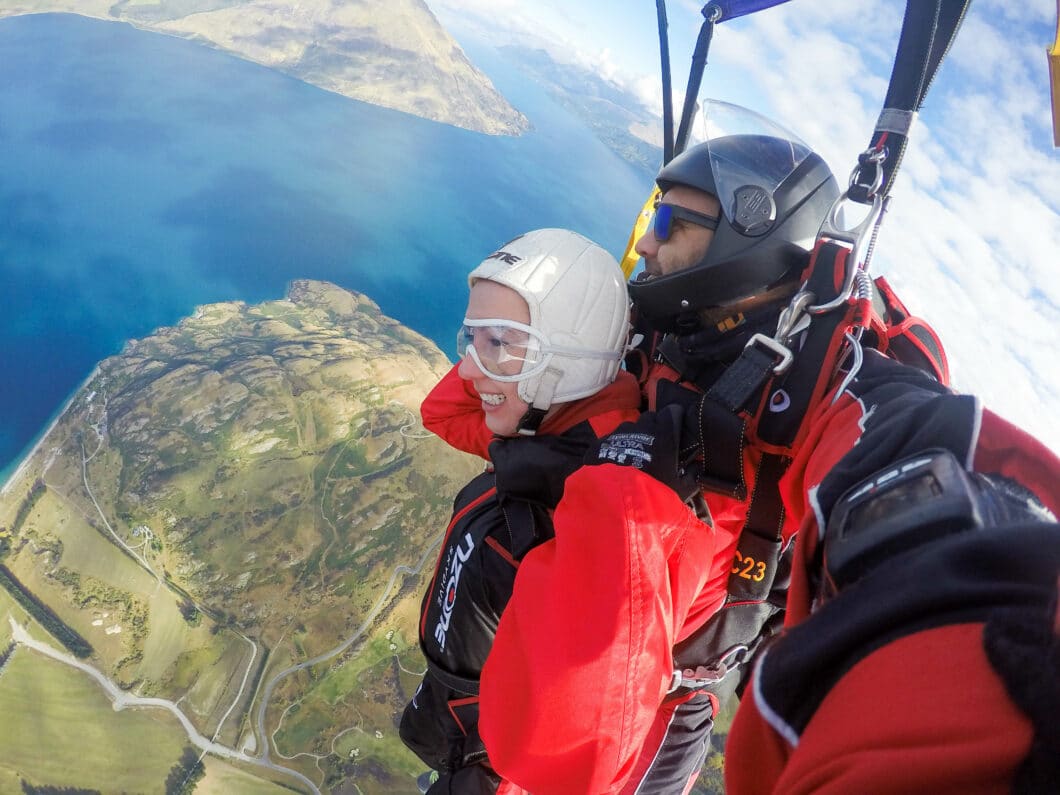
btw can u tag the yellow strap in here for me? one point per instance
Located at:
(631, 257)
(1054, 78)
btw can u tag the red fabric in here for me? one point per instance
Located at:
(1014, 453)
(453, 411)
(582, 656)
(923, 714)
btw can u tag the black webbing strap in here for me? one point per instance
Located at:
(743, 379)
(928, 30)
(804, 384)
(695, 77)
(758, 548)
(721, 424)
(460, 684)
(667, 90)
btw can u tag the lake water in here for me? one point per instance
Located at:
(142, 175)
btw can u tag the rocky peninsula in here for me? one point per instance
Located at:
(233, 496)
(392, 53)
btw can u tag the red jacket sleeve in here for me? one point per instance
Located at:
(583, 653)
(453, 410)
(951, 727)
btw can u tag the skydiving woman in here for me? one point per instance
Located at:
(538, 383)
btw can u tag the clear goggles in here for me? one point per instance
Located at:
(508, 351)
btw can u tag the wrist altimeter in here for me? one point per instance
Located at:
(913, 502)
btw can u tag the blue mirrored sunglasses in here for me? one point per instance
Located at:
(663, 225)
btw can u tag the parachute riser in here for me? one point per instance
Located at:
(928, 31)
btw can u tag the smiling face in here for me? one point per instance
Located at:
(500, 400)
(687, 243)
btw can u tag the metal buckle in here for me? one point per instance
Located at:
(730, 659)
(786, 356)
(794, 319)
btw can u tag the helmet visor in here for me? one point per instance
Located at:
(748, 149)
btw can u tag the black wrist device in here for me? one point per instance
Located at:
(911, 503)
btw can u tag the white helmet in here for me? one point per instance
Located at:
(579, 307)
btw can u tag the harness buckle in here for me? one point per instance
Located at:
(870, 157)
(794, 318)
(705, 675)
(776, 347)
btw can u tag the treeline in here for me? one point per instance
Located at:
(186, 773)
(43, 614)
(29, 789)
(6, 653)
(29, 502)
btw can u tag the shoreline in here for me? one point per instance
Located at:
(48, 428)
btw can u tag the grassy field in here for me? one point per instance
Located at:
(59, 730)
(103, 567)
(223, 778)
(8, 607)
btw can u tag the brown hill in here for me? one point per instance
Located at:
(392, 53)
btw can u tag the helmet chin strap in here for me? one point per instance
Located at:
(541, 402)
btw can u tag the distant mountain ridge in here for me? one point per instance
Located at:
(617, 117)
(392, 53)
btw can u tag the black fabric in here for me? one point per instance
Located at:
(960, 579)
(475, 779)
(721, 460)
(1024, 648)
(535, 469)
(459, 685)
(683, 750)
(702, 356)
(651, 445)
(916, 347)
(744, 379)
(908, 412)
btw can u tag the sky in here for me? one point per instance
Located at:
(972, 237)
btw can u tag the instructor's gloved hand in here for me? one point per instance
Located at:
(651, 444)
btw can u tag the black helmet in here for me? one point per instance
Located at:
(774, 193)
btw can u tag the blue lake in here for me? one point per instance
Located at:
(142, 175)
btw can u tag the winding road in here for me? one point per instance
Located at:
(123, 700)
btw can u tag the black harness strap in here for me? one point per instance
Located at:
(928, 31)
(805, 383)
(460, 684)
(667, 91)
